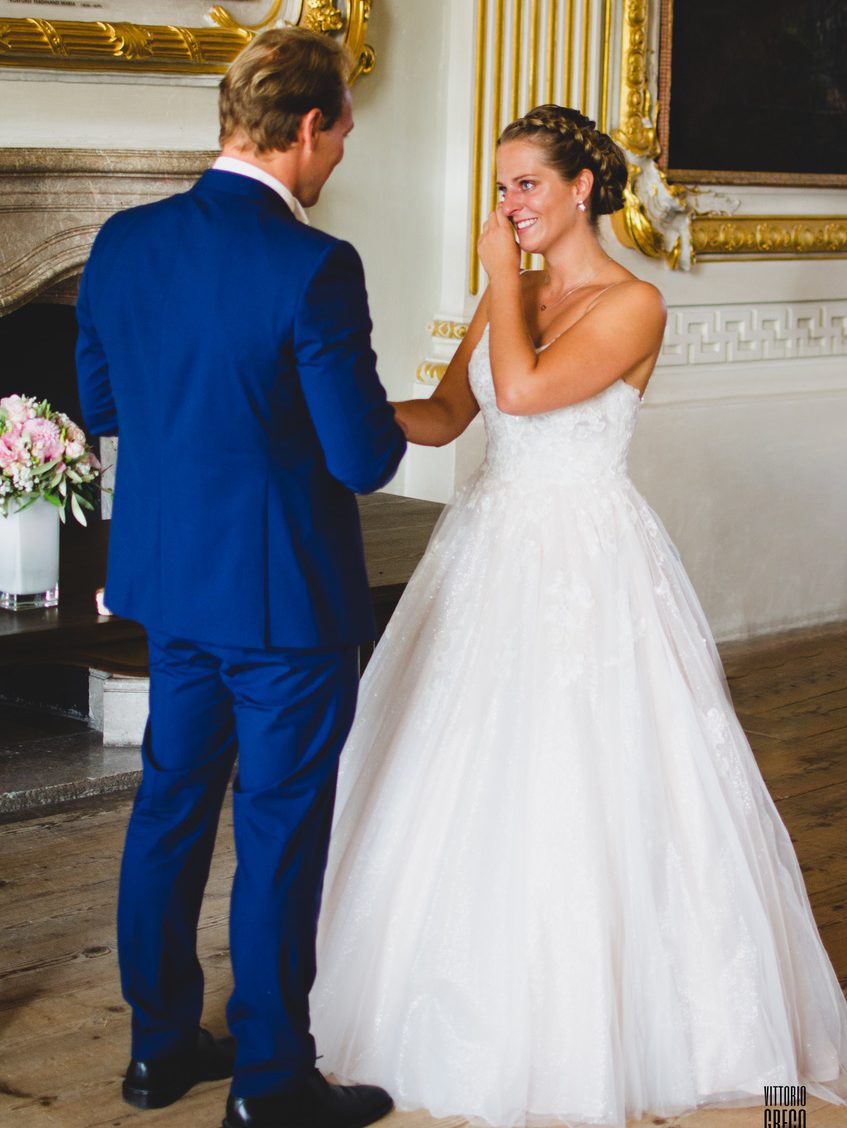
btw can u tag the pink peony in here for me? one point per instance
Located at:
(18, 409)
(33, 437)
(8, 450)
(46, 439)
(74, 449)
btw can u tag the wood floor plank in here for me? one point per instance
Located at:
(64, 1029)
(816, 824)
(772, 686)
(793, 767)
(787, 726)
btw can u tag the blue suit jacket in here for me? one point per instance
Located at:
(229, 345)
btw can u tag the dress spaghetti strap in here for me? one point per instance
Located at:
(592, 303)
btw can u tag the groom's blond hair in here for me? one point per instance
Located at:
(280, 76)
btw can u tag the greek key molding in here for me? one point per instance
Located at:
(736, 333)
(447, 330)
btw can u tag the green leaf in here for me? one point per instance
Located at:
(76, 508)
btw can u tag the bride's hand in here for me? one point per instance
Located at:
(497, 246)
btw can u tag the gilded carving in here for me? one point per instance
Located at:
(660, 219)
(99, 45)
(430, 372)
(447, 330)
(770, 235)
(656, 215)
(322, 16)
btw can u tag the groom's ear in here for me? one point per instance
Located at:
(309, 128)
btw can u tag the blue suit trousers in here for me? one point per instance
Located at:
(284, 714)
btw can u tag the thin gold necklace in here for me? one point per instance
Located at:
(573, 289)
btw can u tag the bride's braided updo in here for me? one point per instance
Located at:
(572, 142)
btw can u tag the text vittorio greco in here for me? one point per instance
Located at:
(785, 1106)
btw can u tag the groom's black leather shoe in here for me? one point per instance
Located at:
(317, 1104)
(156, 1084)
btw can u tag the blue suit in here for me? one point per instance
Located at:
(229, 346)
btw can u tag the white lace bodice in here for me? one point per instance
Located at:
(584, 442)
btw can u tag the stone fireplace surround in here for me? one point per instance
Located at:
(53, 202)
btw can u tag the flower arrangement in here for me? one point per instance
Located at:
(45, 454)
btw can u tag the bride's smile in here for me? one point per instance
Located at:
(536, 201)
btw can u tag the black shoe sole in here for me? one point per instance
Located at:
(371, 1118)
(154, 1098)
(161, 1098)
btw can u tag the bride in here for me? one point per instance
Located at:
(558, 891)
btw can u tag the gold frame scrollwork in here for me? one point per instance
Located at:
(661, 219)
(100, 45)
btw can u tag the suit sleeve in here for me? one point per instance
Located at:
(95, 391)
(361, 442)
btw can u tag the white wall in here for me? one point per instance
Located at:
(746, 459)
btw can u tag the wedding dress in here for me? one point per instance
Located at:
(558, 891)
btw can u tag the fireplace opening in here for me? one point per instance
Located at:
(37, 346)
(46, 670)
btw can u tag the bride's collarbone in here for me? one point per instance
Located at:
(546, 326)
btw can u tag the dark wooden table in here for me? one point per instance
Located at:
(396, 531)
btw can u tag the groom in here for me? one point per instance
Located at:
(229, 344)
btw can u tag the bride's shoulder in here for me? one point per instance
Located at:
(634, 293)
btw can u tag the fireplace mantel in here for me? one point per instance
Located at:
(54, 201)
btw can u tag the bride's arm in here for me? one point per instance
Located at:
(620, 337)
(448, 411)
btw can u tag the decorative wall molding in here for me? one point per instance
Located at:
(528, 52)
(732, 334)
(663, 220)
(431, 372)
(710, 335)
(778, 235)
(54, 201)
(121, 46)
(446, 330)
(446, 333)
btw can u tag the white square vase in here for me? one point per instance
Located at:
(29, 557)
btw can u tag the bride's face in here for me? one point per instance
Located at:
(539, 203)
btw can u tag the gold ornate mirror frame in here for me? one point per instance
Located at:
(661, 219)
(98, 45)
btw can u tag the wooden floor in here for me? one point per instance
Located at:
(63, 1026)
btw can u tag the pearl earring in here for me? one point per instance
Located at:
(581, 205)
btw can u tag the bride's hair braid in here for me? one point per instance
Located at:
(572, 142)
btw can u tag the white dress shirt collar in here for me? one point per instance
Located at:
(244, 168)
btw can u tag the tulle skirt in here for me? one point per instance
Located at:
(558, 890)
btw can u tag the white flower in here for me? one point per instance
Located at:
(18, 408)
